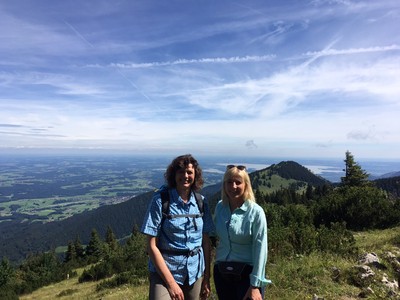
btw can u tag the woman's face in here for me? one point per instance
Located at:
(185, 177)
(235, 187)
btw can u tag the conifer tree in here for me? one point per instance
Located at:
(259, 196)
(111, 240)
(135, 230)
(6, 272)
(79, 249)
(70, 255)
(354, 174)
(94, 249)
(309, 192)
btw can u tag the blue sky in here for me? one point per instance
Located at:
(264, 78)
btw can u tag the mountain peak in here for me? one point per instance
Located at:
(291, 170)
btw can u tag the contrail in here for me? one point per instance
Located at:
(317, 55)
(78, 34)
(135, 86)
(118, 70)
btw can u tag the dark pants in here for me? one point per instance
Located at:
(232, 290)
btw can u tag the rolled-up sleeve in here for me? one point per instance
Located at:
(260, 249)
(152, 220)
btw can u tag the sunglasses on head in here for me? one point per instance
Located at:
(239, 167)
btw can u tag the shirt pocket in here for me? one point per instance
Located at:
(175, 226)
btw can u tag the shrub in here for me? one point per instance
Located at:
(67, 292)
(337, 240)
(7, 293)
(120, 279)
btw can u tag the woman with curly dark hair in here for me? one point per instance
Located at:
(177, 225)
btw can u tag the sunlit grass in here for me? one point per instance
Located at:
(303, 276)
(72, 289)
(377, 239)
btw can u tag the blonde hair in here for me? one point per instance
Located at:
(248, 190)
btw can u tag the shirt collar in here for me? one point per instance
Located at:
(175, 194)
(245, 206)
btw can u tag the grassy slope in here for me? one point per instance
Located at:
(293, 278)
(73, 290)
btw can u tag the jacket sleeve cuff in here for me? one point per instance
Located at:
(257, 282)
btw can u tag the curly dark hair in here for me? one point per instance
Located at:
(181, 162)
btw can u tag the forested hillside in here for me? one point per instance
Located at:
(390, 185)
(19, 240)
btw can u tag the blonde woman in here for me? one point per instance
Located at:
(241, 229)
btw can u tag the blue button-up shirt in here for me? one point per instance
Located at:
(181, 233)
(243, 237)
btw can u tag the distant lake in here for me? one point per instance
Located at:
(330, 169)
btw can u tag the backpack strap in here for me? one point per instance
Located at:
(200, 202)
(164, 201)
(165, 206)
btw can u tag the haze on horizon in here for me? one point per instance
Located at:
(255, 78)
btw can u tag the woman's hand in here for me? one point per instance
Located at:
(253, 293)
(205, 289)
(175, 291)
(156, 257)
